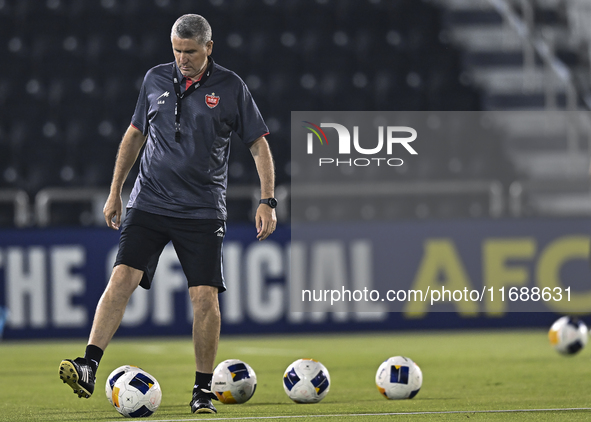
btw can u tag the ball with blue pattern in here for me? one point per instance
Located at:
(113, 377)
(233, 381)
(399, 378)
(136, 394)
(306, 381)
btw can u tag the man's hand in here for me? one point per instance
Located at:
(265, 221)
(112, 211)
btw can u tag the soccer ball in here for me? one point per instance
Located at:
(233, 381)
(114, 376)
(136, 394)
(568, 335)
(399, 378)
(306, 381)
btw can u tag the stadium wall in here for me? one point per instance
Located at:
(51, 280)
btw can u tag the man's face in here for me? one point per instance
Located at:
(190, 56)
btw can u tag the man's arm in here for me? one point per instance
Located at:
(265, 220)
(129, 149)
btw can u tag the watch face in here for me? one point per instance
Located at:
(272, 202)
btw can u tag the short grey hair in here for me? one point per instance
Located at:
(193, 27)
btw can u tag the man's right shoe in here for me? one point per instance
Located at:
(201, 402)
(79, 375)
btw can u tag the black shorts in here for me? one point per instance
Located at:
(198, 245)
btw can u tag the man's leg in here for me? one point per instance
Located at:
(111, 307)
(206, 335)
(80, 373)
(206, 326)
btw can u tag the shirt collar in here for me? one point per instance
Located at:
(182, 79)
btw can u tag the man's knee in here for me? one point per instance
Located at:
(204, 297)
(125, 278)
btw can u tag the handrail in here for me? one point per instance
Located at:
(97, 196)
(525, 32)
(20, 199)
(518, 188)
(46, 197)
(545, 51)
(493, 188)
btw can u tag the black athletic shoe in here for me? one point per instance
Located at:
(78, 375)
(201, 402)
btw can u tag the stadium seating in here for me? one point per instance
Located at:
(72, 70)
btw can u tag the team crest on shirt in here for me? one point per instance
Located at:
(212, 100)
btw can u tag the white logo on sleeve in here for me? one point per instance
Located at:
(163, 96)
(220, 232)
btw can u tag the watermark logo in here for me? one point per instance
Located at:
(388, 136)
(315, 129)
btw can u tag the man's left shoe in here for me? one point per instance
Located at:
(78, 375)
(201, 402)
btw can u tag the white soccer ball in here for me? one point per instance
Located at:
(399, 378)
(306, 381)
(568, 335)
(233, 381)
(114, 376)
(136, 394)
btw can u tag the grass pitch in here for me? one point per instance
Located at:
(466, 374)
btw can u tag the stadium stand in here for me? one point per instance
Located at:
(73, 69)
(531, 57)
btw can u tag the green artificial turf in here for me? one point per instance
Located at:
(463, 371)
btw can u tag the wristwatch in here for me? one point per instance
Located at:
(272, 202)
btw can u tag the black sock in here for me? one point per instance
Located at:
(93, 356)
(202, 381)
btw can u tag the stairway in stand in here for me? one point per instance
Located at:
(530, 59)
